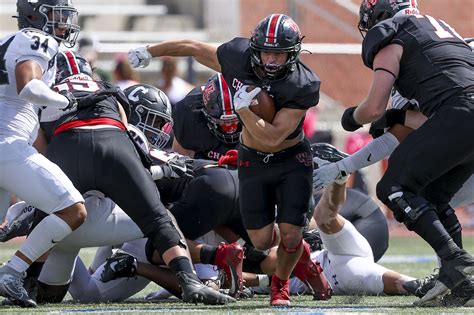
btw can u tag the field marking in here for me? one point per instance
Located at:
(410, 259)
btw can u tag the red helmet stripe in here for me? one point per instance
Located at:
(272, 29)
(72, 62)
(225, 92)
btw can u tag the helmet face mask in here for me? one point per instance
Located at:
(219, 112)
(280, 34)
(55, 17)
(374, 11)
(150, 113)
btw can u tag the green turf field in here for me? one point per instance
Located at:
(259, 305)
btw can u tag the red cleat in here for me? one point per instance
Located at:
(280, 292)
(230, 257)
(312, 275)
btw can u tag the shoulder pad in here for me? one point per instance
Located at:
(378, 37)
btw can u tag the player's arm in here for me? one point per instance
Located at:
(272, 134)
(204, 53)
(386, 68)
(30, 88)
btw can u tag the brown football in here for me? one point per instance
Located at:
(263, 105)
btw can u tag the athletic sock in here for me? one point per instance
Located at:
(433, 232)
(208, 254)
(181, 263)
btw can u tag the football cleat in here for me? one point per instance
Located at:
(311, 274)
(119, 265)
(327, 152)
(419, 287)
(452, 273)
(230, 257)
(194, 291)
(462, 295)
(11, 287)
(313, 238)
(280, 292)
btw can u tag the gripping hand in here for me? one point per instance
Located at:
(178, 166)
(243, 99)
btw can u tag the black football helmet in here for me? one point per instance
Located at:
(150, 113)
(48, 15)
(218, 109)
(277, 32)
(71, 63)
(374, 11)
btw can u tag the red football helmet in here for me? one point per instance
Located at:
(219, 110)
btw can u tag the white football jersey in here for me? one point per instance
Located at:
(19, 118)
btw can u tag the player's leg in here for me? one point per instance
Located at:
(411, 167)
(35, 179)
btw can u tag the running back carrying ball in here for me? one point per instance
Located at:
(263, 105)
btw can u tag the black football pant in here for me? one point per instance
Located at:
(106, 160)
(435, 160)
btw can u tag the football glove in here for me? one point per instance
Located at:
(178, 166)
(243, 99)
(328, 173)
(390, 117)
(139, 57)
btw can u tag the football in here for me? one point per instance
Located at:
(263, 105)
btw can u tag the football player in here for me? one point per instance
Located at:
(426, 60)
(274, 159)
(94, 148)
(27, 69)
(346, 256)
(206, 125)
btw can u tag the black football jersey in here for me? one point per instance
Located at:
(171, 190)
(436, 62)
(191, 130)
(80, 88)
(299, 90)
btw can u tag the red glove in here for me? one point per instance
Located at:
(230, 158)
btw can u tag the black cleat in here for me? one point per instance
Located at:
(457, 270)
(11, 287)
(462, 295)
(119, 265)
(16, 228)
(419, 287)
(194, 291)
(452, 273)
(327, 152)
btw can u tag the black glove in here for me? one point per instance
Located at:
(390, 118)
(88, 100)
(347, 120)
(178, 166)
(71, 98)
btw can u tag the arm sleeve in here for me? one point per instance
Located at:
(37, 93)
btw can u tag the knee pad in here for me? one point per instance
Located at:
(292, 250)
(407, 207)
(167, 235)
